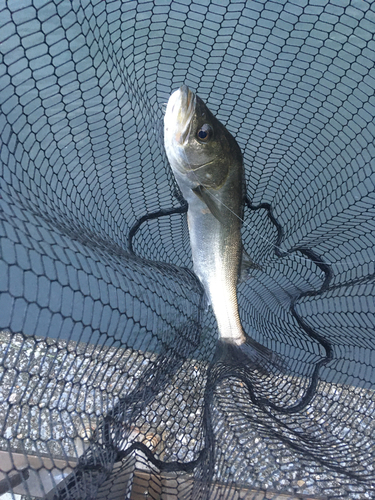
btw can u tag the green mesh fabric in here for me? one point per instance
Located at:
(109, 388)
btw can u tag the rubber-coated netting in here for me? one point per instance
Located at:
(109, 387)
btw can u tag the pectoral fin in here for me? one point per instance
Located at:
(210, 201)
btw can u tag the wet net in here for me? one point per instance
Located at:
(109, 386)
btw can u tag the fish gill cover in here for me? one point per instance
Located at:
(109, 385)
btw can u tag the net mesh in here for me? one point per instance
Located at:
(109, 387)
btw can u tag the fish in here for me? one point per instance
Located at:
(207, 164)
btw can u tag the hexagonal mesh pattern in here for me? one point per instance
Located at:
(109, 385)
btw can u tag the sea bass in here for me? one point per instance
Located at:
(207, 164)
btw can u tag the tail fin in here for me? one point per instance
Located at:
(249, 355)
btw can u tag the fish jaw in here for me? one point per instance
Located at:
(177, 122)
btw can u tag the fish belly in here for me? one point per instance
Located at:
(216, 252)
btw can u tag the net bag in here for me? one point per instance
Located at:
(109, 387)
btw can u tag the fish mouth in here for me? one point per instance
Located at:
(181, 107)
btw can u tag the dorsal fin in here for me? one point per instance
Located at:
(246, 264)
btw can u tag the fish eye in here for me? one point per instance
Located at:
(204, 133)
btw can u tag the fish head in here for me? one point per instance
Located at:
(197, 144)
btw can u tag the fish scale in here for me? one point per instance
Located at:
(207, 164)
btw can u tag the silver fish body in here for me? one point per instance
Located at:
(207, 163)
